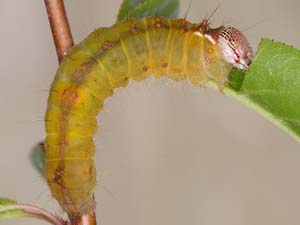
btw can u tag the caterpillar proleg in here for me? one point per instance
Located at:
(107, 59)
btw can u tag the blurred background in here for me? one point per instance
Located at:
(167, 153)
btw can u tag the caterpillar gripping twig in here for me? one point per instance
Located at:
(106, 60)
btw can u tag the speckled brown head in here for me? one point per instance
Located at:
(234, 46)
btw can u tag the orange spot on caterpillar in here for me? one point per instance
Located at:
(58, 175)
(210, 50)
(79, 74)
(183, 26)
(108, 45)
(203, 27)
(68, 97)
(91, 170)
(125, 81)
(158, 23)
(133, 30)
(145, 68)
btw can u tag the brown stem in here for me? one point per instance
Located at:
(60, 28)
(85, 219)
(63, 41)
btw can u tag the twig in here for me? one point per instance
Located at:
(60, 28)
(85, 219)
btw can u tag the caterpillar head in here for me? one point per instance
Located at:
(235, 47)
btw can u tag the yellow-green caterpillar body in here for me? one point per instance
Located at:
(107, 59)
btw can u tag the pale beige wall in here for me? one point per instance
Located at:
(166, 153)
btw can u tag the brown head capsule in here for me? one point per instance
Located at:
(235, 47)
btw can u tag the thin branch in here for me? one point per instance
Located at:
(60, 28)
(85, 219)
(39, 212)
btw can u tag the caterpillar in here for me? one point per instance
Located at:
(107, 59)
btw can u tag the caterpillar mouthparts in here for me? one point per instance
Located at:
(235, 47)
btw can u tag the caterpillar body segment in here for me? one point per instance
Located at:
(107, 59)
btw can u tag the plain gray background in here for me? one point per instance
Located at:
(167, 153)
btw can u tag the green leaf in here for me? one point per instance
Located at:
(37, 157)
(235, 79)
(143, 8)
(7, 209)
(272, 85)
